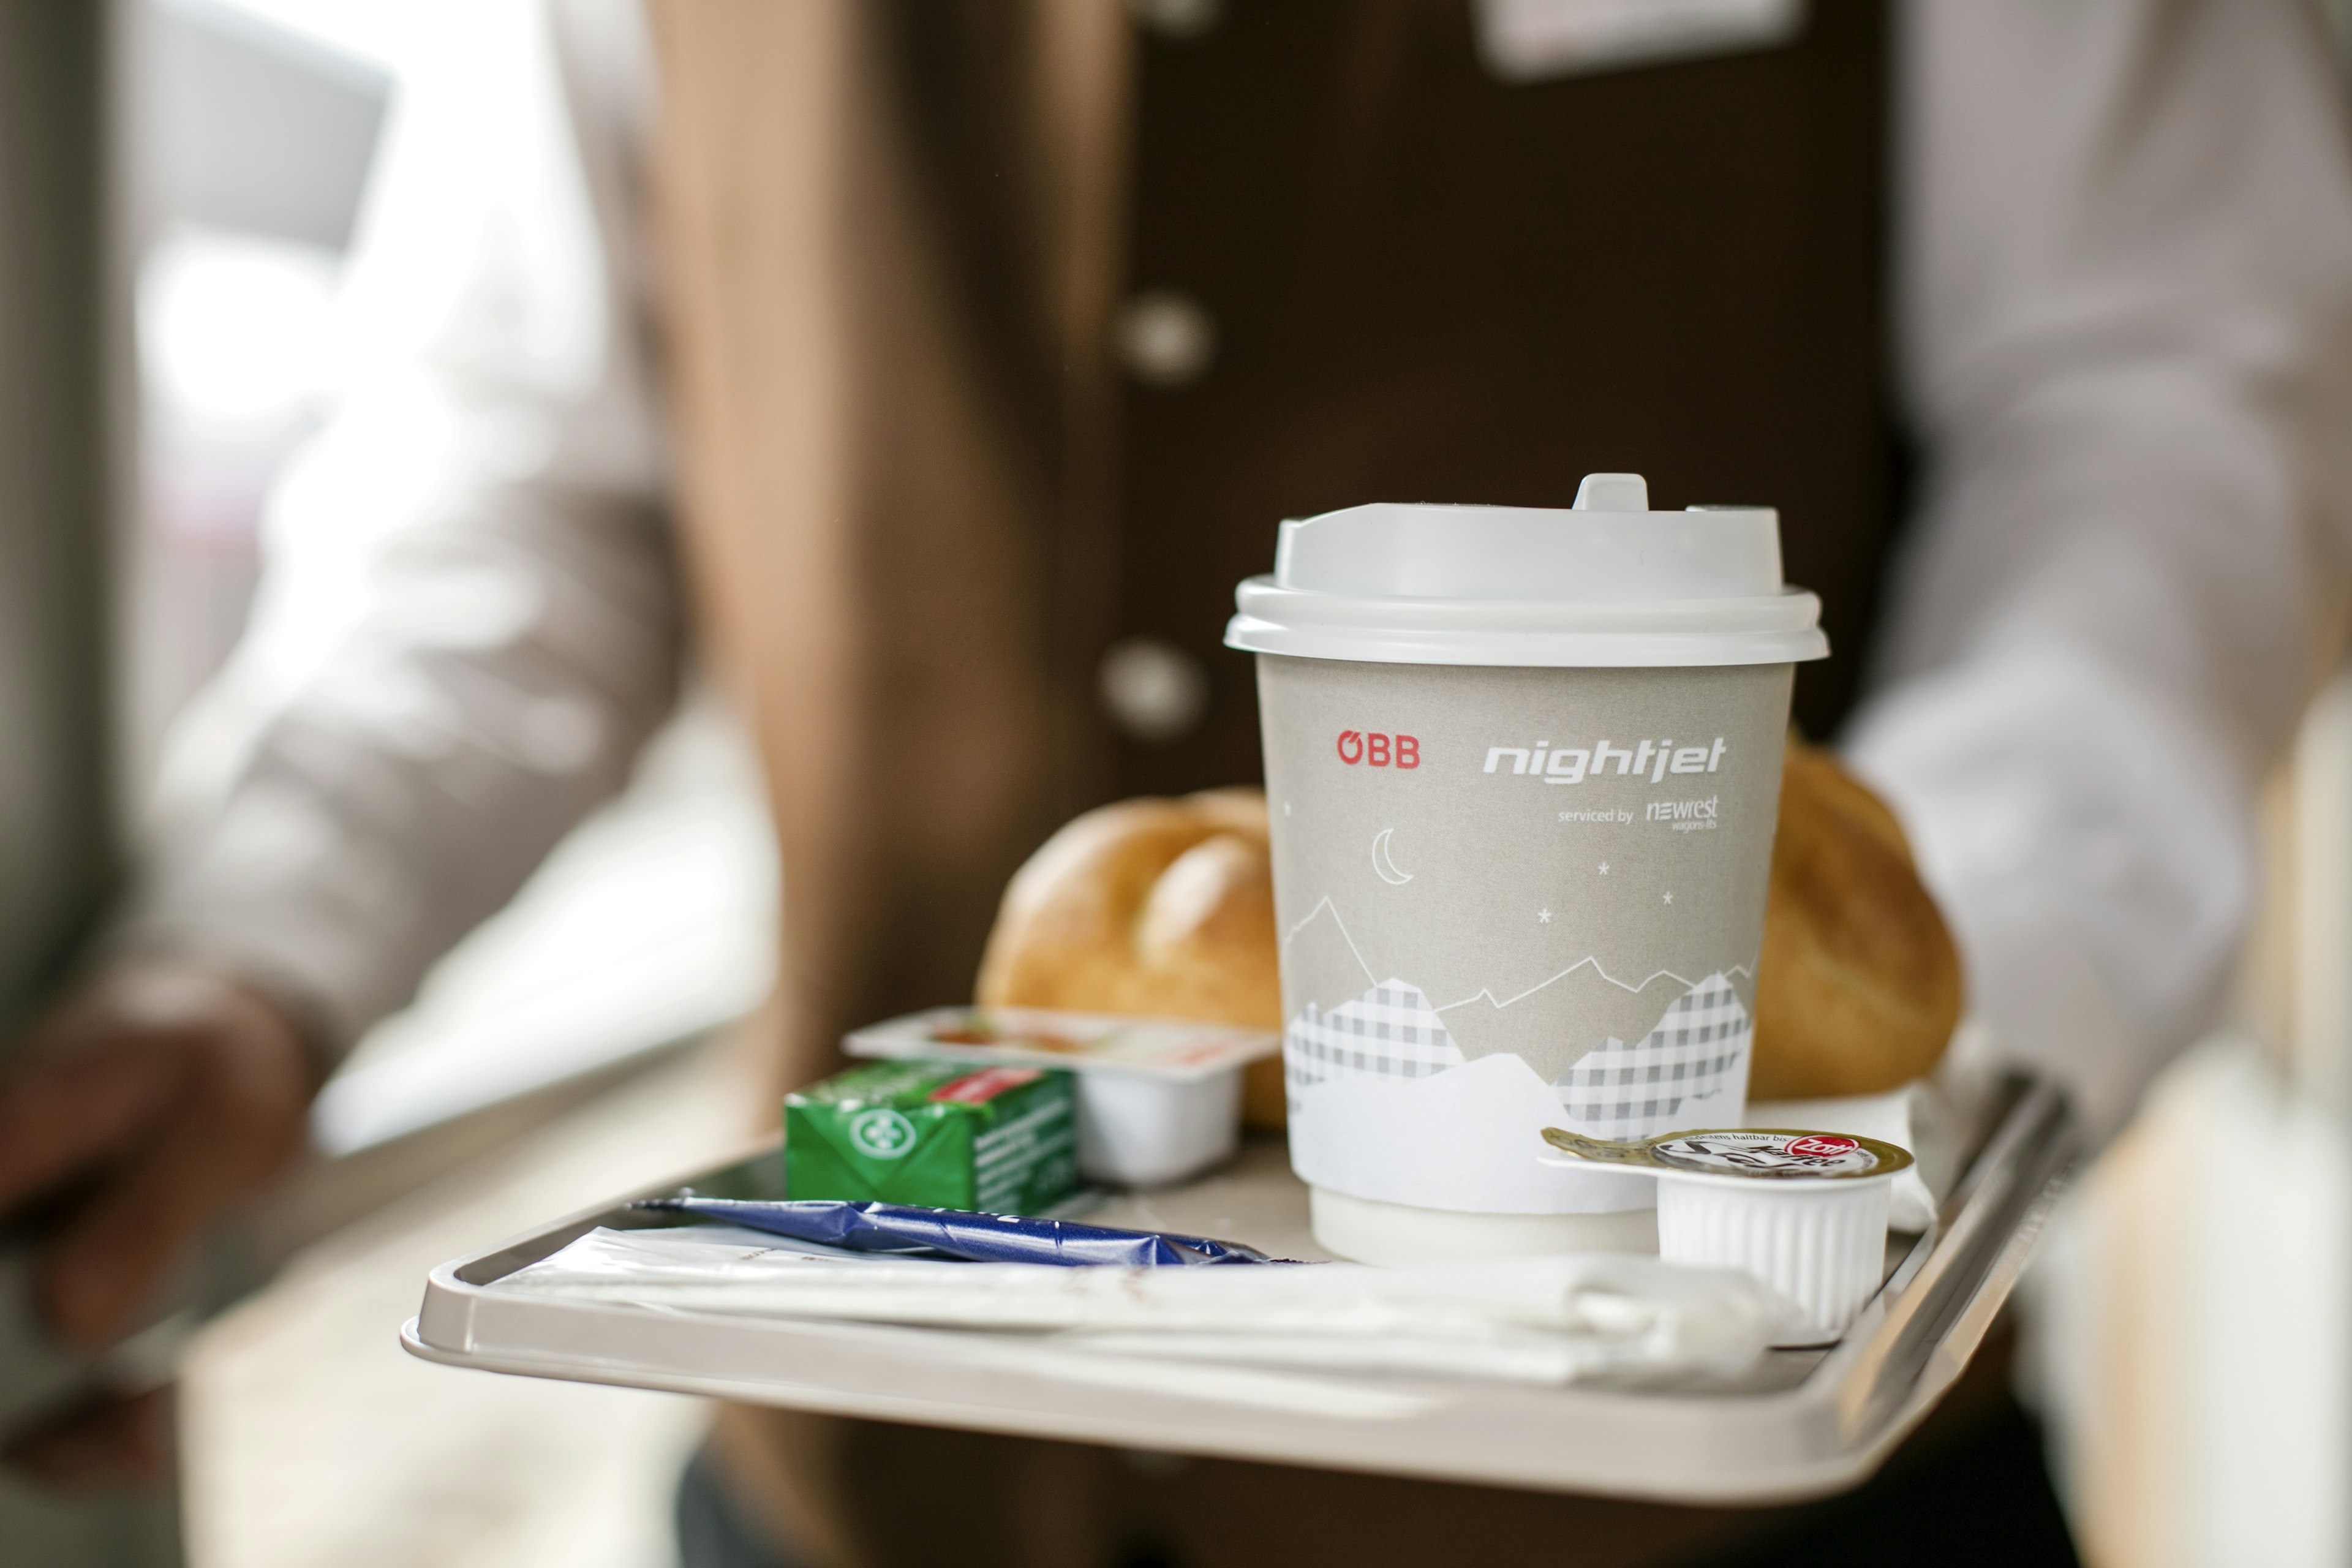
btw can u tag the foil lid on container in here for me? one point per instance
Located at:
(1748, 1153)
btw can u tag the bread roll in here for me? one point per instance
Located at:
(1858, 987)
(1163, 908)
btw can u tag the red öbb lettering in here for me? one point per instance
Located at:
(1379, 749)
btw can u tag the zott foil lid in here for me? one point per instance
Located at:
(1744, 1153)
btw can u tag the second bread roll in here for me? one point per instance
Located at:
(1858, 987)
(1157, 908)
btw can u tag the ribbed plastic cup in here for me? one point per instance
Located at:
(1823, 1246)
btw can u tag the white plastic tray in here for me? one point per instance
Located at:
(1800, 1423)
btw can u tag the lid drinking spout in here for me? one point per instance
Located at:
(1614, 492)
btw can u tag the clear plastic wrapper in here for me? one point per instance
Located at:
(1543, 1320)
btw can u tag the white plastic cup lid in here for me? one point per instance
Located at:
(1608, 583)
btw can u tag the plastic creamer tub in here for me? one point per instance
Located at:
(1159, 1098)
(1522, 769)
(1804, 1212)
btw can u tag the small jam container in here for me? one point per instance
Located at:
(1159, 1098)
(1804, 1212)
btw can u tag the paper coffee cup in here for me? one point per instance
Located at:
(1522, 768)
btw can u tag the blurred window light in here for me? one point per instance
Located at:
(257, 133)
(251, 146)
(232, 328)
(381, 34)
(255, 128)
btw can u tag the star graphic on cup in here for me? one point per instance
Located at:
(1670, 897)
(1604, 868)
(1543, 917)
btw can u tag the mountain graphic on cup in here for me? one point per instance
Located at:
(1670, 1038)
(1383, 1097)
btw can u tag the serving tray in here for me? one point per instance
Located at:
(1796, 1424)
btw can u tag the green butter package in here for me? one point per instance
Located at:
(1002, 1140)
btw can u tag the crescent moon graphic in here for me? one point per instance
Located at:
(1383, 867)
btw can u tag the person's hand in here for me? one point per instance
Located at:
(150, 1103)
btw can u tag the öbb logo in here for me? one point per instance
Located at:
(1379, 750)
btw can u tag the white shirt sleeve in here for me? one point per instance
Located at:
(2127, 284)
(419, 713)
